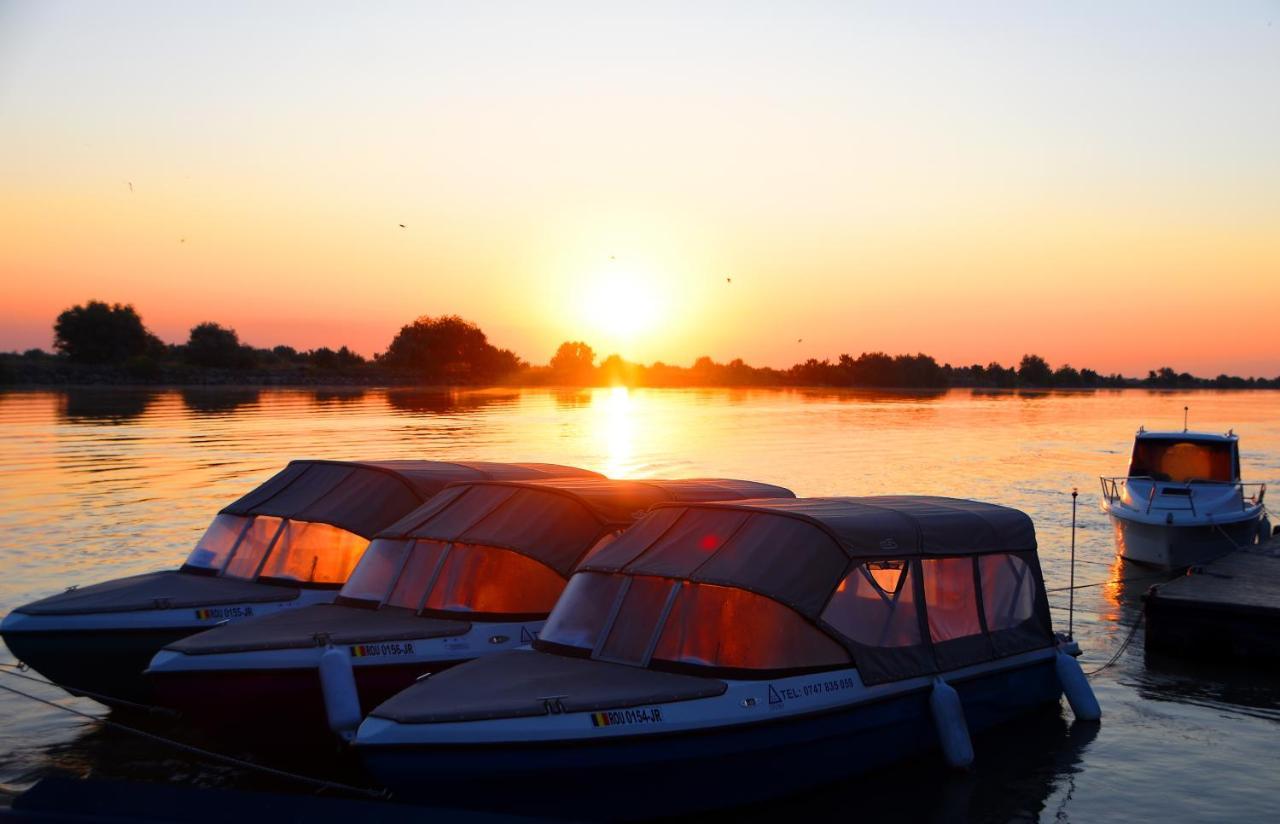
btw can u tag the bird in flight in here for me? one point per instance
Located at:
(401, 225)
(130, 187)
(728, 280)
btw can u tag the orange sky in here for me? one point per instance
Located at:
(1099, 187)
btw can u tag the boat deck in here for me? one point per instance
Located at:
(1226, 608)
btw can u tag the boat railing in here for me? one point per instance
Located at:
(1113, 489)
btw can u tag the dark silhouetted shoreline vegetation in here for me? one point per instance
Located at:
(108, 344)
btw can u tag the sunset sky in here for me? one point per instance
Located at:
(1098, 185)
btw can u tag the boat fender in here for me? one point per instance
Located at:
(1084, 704)
(948, 720)
(341, 699)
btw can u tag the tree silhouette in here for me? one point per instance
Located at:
(102, 333)
(448, 349)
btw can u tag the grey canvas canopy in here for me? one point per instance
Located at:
(905, 584)
(363, 497)
(556, 521)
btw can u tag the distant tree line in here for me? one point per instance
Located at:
(99, 338)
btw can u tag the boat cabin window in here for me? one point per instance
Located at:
(453, 577)
(264, 546)
(257, 540)
(867, 611)
(719, 626)
(639, 619)
(313, 553)
(1183, 461)
(950, 598)
(215, 545)
(488, 579)
(1008, 591)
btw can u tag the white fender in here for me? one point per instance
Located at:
(1084, 704)
(948, 720)
(341, 699)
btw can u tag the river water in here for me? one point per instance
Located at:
(99, 483)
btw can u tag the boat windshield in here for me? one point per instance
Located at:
(639, 619)
(1183, 461)
(453, 577)
(267, 547)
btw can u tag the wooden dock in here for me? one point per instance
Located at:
(1228, 608)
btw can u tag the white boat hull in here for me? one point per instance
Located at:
(1178, 546)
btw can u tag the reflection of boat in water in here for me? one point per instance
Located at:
(65, 799)
(812, 638)
(1182, 502)
(472, 572)
(290, 542)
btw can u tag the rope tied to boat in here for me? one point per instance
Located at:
(1124, 645)
(17, 670)
(320, 784)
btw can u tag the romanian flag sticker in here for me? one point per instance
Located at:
(599, 719)
(203, 614)
(359, 651)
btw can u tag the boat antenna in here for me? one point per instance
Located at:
(1071, 607)
(1184, 417)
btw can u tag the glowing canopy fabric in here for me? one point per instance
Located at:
(555, 521)
(908, 585)
(364, 496)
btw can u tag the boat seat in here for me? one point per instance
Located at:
(170, 589)
(524, 683)
(299, 628)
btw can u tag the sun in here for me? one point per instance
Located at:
(621, 305)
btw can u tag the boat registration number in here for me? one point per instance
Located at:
(367, 650)
(615, 718)
(223, 613)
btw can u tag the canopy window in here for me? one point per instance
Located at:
(453, 577)
(264, 547)
(1184, 461)
(876, 607)
(638, 620)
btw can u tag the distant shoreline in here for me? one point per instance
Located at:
(418, 387)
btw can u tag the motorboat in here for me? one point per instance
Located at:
(289, 543)
(743, 650)
(1183, 502)
(473, 572)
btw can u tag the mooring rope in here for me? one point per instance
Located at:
(1109, 581)
(19, 671)
(319, 783)
(1133, 630)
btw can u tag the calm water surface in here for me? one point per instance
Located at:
(102, 483)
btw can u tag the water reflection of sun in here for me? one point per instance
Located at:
(615, 426)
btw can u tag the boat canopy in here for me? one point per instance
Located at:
(311, 522)
(1185, 457)
(504, 547)
(901, 586)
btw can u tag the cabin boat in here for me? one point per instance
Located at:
(289, 543)
(1183, 502)
(740, 650)
(473, 572)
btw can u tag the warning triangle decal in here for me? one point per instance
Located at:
(527, 637)
(774, 698)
